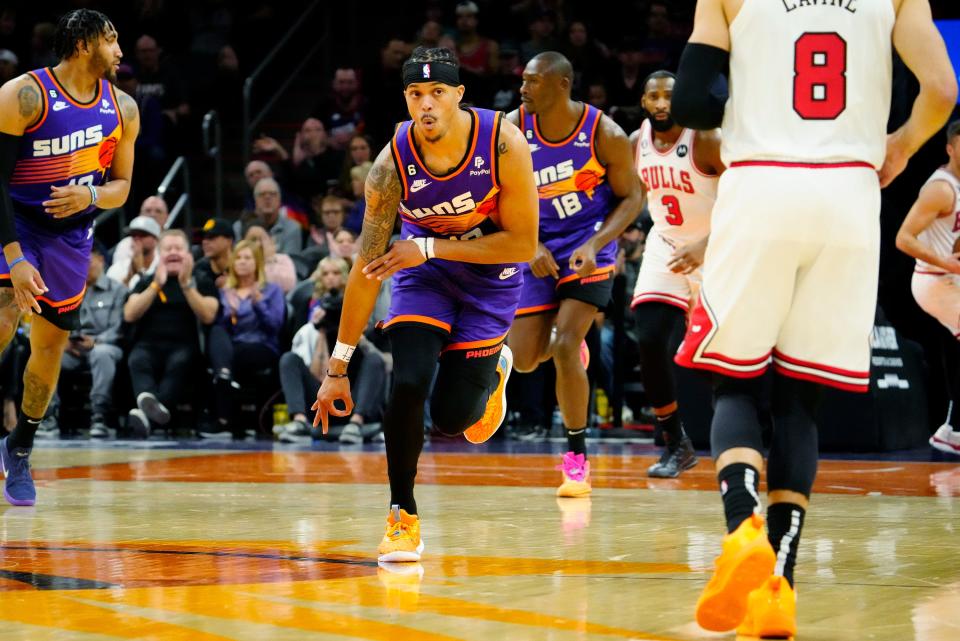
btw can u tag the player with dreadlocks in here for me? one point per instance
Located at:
(66, 152)
(461, 181)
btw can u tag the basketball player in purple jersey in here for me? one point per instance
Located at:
(66, 152)
(589, 192)
(461, 181)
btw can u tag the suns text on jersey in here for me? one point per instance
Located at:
(457, 205)
(791, 5)
(666, 178)
(547, 175)
(66, 144)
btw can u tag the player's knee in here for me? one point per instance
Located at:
(452, 415)
(411, 386)
(525, 359)
(566, 347)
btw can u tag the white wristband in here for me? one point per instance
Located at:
(93, 195)
(425, 245)
(343, 352)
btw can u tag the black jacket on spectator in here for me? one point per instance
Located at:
(172, 321)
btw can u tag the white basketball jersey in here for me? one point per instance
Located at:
(679, 195)
(810, 82)
(942, 234)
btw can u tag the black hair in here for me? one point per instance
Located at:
(556, 63)
(656, 75)
(433, 55)
(953, 130)
(79, 25)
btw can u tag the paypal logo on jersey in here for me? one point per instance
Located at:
(105, 107)
(457, 205)
(66, 144)
(547, 175)
(478, 163)
(581, 140)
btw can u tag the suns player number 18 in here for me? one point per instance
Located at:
(567, 205)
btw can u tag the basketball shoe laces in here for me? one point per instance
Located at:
(573, 466)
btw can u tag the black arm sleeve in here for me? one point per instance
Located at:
(696, 103)
(9, 149)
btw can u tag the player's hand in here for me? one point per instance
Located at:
(68, 200)
(402, 254)
(27, 285)
(687, 258)
(160, 274)
(896, 160)
(543, 263)
(952, 263)
(583, 260)
(186, 270)
(331, 391)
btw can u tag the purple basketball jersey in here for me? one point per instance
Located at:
(71, 144)
(575, 197)
(474, 303)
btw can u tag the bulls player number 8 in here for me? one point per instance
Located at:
(567, 205)
(819, 79)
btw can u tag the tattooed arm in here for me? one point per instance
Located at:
(382, 193)
(21, 105)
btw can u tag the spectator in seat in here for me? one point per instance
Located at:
(329, 214)
(542, 28)
(160, 80)
(164, 309)
(246, 336)
(97, 345)
(303, 368)
(152, 207)
(153, 141)
(384, 88)
(478, 55)
(143, 233)
(588, 58)
(359, 151)
(8, 65)
(279, 268)
(286, 233)
(358, 178)
(345, 244)
(342, 112)
(217, 246)
(312, 166)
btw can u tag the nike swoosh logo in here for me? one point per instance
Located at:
(507, 273)
(415, 188)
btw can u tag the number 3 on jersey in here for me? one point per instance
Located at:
(819, 76)
(674, 215)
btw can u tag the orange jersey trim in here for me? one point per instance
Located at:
(71, 100)
(417, 318)
(395, 152)
(536, 309)
(116, 105)
(53, 303)
(490, 342)
(598, 272)
(466, 158)
(576, 130)
(46, 104)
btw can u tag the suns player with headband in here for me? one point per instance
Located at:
(791, 271)
(931, 234)
(589, 194)
(461, 181)
(680, 168)
(66, 152)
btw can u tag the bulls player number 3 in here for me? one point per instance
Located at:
(674, 215)
(819, 81)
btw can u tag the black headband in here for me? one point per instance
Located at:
(430, 72)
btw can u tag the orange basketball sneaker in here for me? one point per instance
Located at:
(496, 410)
(771, 611)
(401, 543)
(745, 563)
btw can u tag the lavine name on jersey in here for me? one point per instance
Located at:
(791, 5)
(66, 144)
(656, 177)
